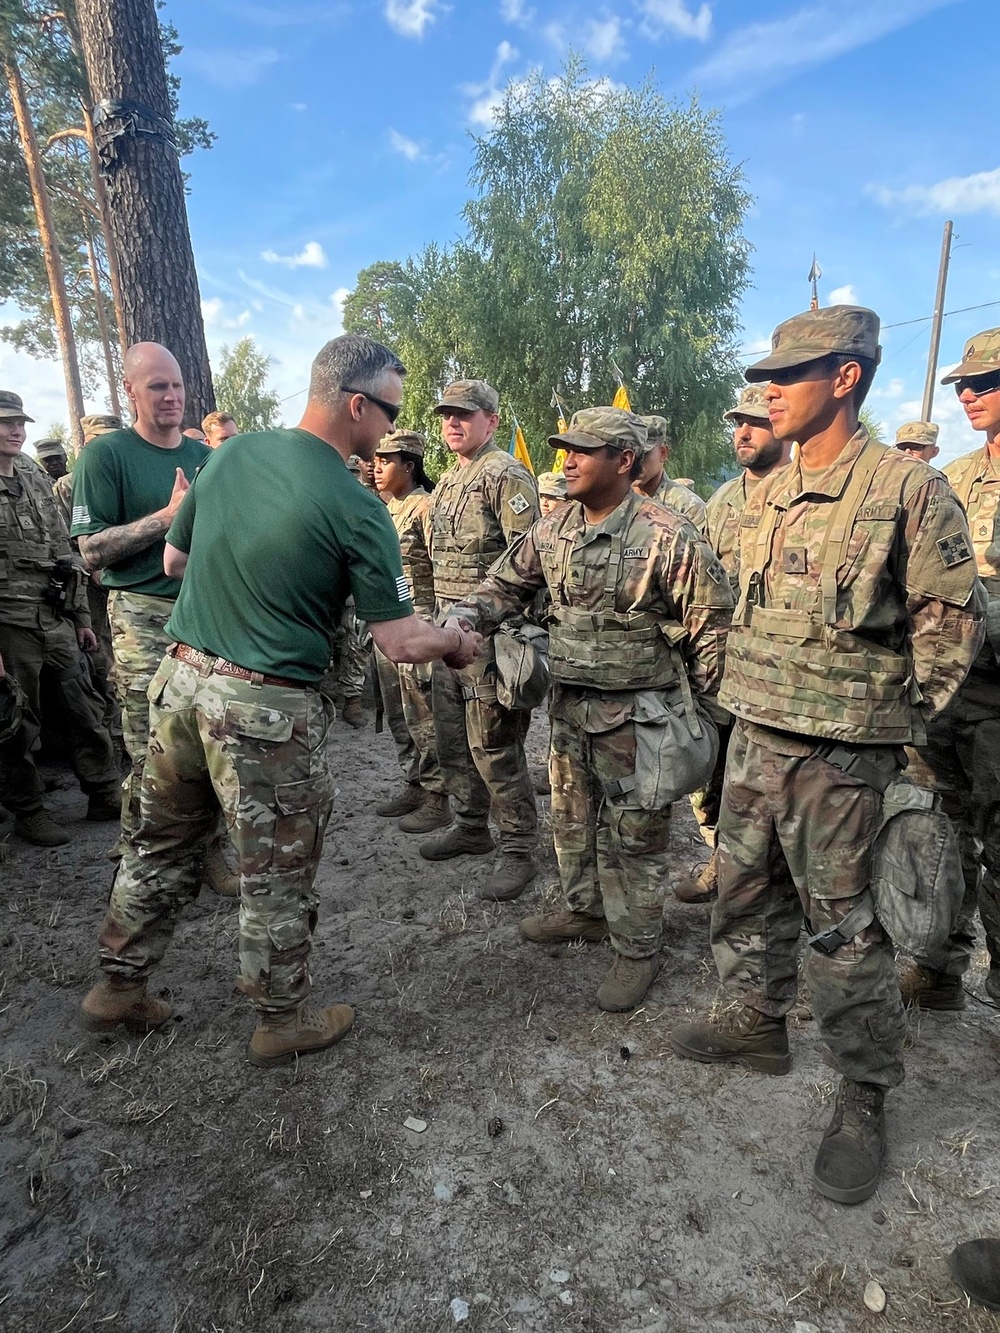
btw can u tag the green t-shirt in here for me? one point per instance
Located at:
(120, 477)
(278, 534)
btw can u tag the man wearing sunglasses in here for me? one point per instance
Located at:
(961, 759)
(918, 439)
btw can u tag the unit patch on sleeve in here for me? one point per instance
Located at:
(518, 503)
(953, 550)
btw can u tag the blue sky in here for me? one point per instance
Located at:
(344, 138)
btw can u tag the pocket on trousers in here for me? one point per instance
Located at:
(258, 723)
(301, 812)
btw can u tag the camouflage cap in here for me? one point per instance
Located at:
(470, 395)
(980, 356)
(49, 448)
(354, 465)
(402, 442)
(850, 329)
(918, 434)
(552, 485)
(656, 431)
(100, 424)
(753, 404)
(595, 427)
(11, 407)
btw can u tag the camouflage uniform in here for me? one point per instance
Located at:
(475, 513)
(637, 601)
(859, 616)
(917, 436)
(670, 492)
(256, 750)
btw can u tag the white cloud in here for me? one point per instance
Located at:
(488, 96)
(311, 256)
(602, 39)
(410, 17)
(297, 106)
(516, 11)
(230, 70)
(338, 298)
(843, 295)
(978, 193)
(662, 17)
(211, 311)
(408, 148)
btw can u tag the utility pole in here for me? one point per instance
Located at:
(932, 355)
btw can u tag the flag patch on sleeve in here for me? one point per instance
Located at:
(403, 589)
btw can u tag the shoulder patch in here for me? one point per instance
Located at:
(953, 550)
(715, 572)
(518, 503)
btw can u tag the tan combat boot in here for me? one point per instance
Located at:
(548, 927)
(114, 1001)
(510, 878)
(850, 1157)
(703, 888)
(923, 988)
(626, 984)
(460, 840)
(434, 812)
(353, 713)
(410, 798)
(216, 873)
(741, 1037)
(41, 829)
(281, 1038)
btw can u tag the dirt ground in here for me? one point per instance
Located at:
(572, 1173)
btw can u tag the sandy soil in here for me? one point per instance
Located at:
(572, 1175)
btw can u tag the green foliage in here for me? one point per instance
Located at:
(872, 424)
(241, 387)
(605, 227)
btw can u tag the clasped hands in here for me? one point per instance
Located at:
(468, 647)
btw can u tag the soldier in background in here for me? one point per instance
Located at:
(758, 454)
(51, 454)
(218, 427)
(918, 439)
(654, 482)
(551, 492)
(859, 617)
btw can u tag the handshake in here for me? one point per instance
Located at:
(468, 645)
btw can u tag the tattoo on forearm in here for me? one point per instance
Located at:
(101, 550)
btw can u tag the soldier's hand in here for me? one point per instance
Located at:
(181, 487)
(469, 647)
(87, 640)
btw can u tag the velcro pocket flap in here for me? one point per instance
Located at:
(261, 724)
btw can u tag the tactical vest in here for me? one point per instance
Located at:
(467, 536)
(794, 670)
(608, 649)
(416, 573)
(25, 555)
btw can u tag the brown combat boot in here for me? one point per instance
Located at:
(626, 984)
(353, 713)
(410, 798)
(703, 888)
(548, 927)
(114, 1001)
(460, 840)
(104, 809)
(850, 1157)
(215, 872)
(510, 878)
(923, 988)
(741, 1037)
(434, 812)
(281, 1038)
(41, 829)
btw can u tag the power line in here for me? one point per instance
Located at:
(901, 324)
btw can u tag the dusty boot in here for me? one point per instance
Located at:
(433, 812)
(41, 829)
(510, 878)
(114, 1001)
(742, 1037)
(215, 872)
(104, 809)
(353, 713)
(975, 1266)
(410, 798)
(626, 984)
(460, 840)
(547, 927)
(923, 988)
(703, 888)
(850, 1157)
(280, 1038)
(992, 984)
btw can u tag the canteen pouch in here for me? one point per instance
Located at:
(672, 757)
(523, 677)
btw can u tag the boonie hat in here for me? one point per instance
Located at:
(921, 434)
(850, 329)
(980, 356)
(49, 448)
(11, 407)
(753, 403)
(100, 424)
(402, 442)
(595, 427)
(470, 395)
(552, 485)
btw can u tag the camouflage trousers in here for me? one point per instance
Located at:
(354, 652)
(480, 746)
(795, 837)
(406, 703)
(707, 802)
(259, 752)
(961, 760)
(52, 647)
(612, 856)
(102, 658)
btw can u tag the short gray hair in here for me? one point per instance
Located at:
(353, 359)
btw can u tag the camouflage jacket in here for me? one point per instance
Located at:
(681, 498)
(62, 491)
(476, 511)
(666, 574)
(975, 479)
(408, 516)
(32, 538)
(723, 522)
(860, 612)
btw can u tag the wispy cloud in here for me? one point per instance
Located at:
(410, 17)
(978, 193)
(843, 295)
(486, 97)
(602, 39)
(232, 69)
(516, 11)
(663, 18)
(408, 148)
(312, 255)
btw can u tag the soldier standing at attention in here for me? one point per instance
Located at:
(859, 617)
(918, 439)
(654, 482)
(961, 758)
(637, 625)
(479, 508)
(406, 689)
(758, 454)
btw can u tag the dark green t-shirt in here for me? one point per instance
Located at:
(120, 477)
(278, 534)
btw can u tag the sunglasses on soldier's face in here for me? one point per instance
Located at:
(392, 410)
(980, 385)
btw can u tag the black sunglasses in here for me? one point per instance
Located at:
(392, 410)
(979, 384)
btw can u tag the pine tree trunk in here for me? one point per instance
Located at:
(50, 250)
(139, 164)
(102, 320)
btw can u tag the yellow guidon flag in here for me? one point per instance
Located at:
(519, 447)
(561, 429)
(621, 399)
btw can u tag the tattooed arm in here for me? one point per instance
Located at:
(102, 550)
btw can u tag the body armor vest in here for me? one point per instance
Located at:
(467, 536)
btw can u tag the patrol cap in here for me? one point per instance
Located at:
(595, 427)
(354, 465)
(920, 434)
(402, 442)
(848, 329)
(656, 430)
(11, 407)
(100, 424)
(49, 448)
(753, 404)
(552, 485)
(470, 395)
(980, 356)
